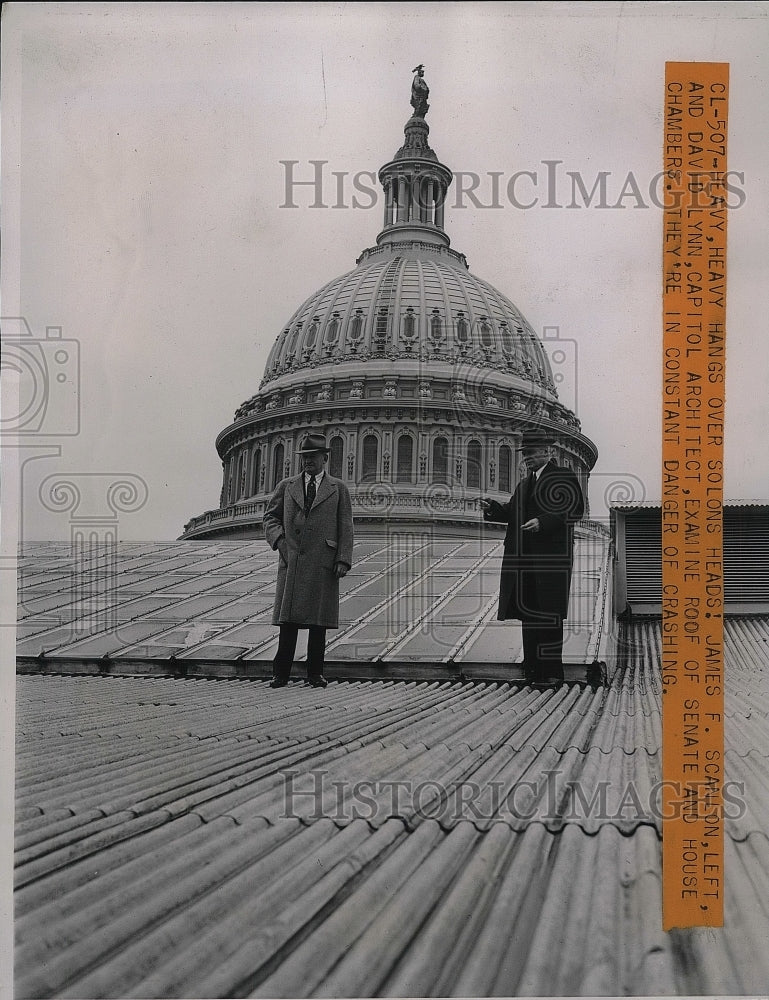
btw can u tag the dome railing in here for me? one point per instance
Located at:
(377, 500)
(406, 245)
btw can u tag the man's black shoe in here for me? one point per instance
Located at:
(278, 682)
(317, 682)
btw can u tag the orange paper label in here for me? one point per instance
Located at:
(693, 366)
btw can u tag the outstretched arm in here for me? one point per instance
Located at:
(494, 511)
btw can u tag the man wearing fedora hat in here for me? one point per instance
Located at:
(538, 555)
(309, 521)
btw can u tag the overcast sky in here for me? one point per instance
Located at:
(143, 186)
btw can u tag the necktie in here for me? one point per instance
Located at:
(310, 498)
(532, 482)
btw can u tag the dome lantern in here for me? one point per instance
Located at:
(414, 181)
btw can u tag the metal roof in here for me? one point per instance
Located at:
(162, 849)
(409, 599)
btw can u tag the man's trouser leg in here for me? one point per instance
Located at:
(316, 651)
(284, 658)
(542, 650)
(551, 651)
(530, 650)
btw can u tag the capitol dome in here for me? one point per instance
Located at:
(408, 301)
(421, 375)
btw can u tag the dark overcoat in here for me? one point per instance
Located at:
(307, 591)
(536, 565)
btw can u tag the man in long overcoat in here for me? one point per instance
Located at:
(309, 521)
(538, 556)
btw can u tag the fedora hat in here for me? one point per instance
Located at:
(313, 443)
(536, 439)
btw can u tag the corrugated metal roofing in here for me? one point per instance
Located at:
(218, 838)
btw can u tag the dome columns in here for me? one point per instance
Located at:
(389, 203)
(398, 461)
(415, 196)
(440, 202)
(401, 184)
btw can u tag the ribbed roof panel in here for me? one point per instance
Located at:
(163, 850)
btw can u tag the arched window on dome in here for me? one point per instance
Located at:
(404, 459)
(486, 334)
(440, 460)
(240, 480)
(409, 325)
(277, 465)
(335, 458)
(294, 338)
(505, 469)
(506, 337)
(332, 330)
(473, 473)
(370, 459)
(256, 471)
(436, 327)
(312, 335)
(463, 330)
(356, 327)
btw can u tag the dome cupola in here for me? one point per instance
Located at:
(414, 181)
